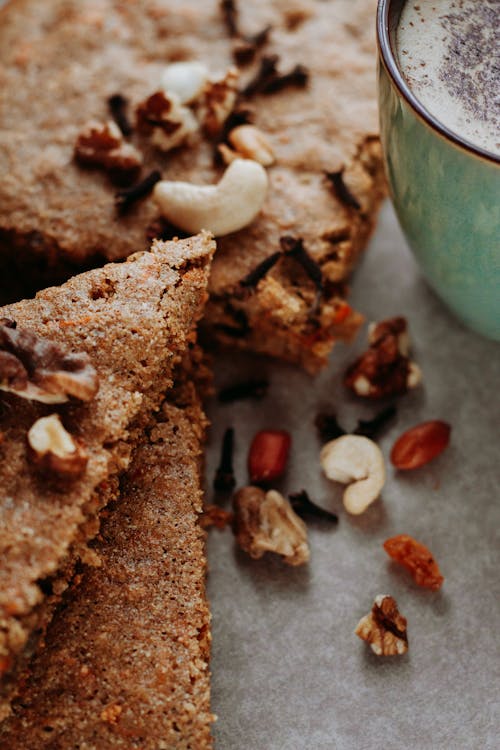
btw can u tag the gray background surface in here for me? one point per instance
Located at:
(288, 672)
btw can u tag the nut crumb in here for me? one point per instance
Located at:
(111, 713)
(218, 101)
(266, 522)
(384, 628)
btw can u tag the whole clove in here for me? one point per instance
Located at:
(118, 108)
(327, 426)
(258, 273)
(126, 198)
(247, 389)
(370, 428)
(294, 248)
(303, 507)
(224, 480)
(341, 190)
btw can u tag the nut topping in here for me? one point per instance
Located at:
(218, 101)
(384, 628)
(54, 450)
(166, 120)
(251, 143)
(357, 461)
(223, 208)
(385, 369)
(186, 80)
(102, 145)
(38, 369)
(266, 522)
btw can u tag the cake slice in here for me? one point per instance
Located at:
(125, 658)
(303, 74)
(95, 356)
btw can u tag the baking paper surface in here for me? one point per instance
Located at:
(287, 670)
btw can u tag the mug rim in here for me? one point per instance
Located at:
(384, 39)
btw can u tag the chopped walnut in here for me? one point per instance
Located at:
(384, 628)
(102, 145)
(266, 522)
(166, 120)
(218, 101)
(54, 450)
(214, 515)
(38, 369)
(385, 368)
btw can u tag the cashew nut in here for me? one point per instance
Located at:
(54, 449)
(185, 79)
(357, 461)
(223, 208)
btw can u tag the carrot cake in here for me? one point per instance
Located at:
(288, 86)
(82, 367)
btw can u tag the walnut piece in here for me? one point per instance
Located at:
(266, 522)
(218, 101)
(54, 450)
(102, 145)
(384, 628)
(168, 122)
(40, 370)
(385, 369)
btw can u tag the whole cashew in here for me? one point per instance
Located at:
(223, 208)
(357, 461)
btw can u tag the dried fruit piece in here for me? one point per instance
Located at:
(384, 628)
(419, 445)
(268, 455)
(214, 515)
(266, 522)
(416, 558)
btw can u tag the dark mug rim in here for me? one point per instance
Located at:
(388, 12)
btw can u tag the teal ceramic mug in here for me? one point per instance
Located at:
(446, 192)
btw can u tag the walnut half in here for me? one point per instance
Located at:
(266, 522)
(54, 450)
(40, 370)
(384, 628)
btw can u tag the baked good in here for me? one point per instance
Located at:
(314, 101)
(125, 658)
(109, 338)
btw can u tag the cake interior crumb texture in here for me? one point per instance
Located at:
(134, 320)
(56, 217)
(125, 659)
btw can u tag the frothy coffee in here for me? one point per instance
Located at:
(449, 53)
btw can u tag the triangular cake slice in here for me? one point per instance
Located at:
(125, 659)
(99, 352)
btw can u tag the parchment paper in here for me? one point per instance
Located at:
(287, 670)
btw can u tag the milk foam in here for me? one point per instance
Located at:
(449, 53)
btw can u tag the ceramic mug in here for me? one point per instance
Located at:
(446, 192)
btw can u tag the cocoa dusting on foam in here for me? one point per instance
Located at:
(448, 52)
